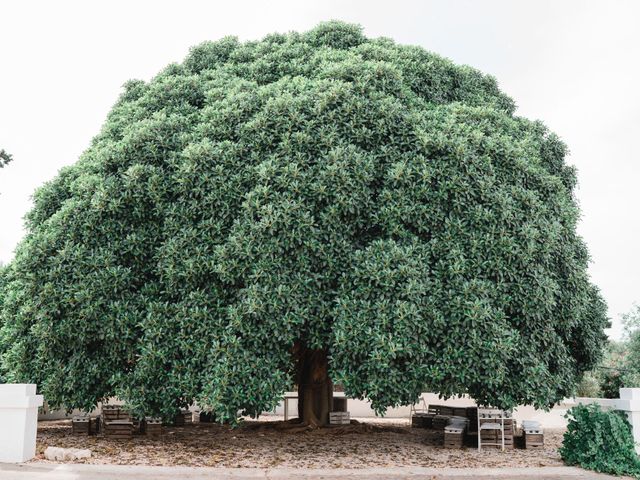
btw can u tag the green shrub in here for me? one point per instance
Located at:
(600, 441)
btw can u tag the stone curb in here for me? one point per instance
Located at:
(53, 471)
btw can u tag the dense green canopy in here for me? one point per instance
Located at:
(350, 195)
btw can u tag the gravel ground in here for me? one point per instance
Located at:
(263, 445)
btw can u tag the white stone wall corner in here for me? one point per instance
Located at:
(19, 420)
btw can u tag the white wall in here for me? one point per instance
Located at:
(362, 409)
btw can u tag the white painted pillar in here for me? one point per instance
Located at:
(630, 403)
(18, 421)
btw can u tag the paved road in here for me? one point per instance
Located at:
(42, 471)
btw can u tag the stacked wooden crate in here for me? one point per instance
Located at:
(495, 436)
(113, 412)
(440, 416)
(339, 415)
(446, 411)
(418, 420)
(81, 425)
(454, 432)
(533, 434)
(339, 418)
(427, 420)
(460, 412)
(509, 432)
(440, 421)
(153, 426)
(116, 422)
(422, 420)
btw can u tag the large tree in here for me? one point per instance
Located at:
(309, 208)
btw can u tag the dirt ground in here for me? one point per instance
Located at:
(261, 445)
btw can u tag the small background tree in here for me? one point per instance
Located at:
(620, 365)
(306, 209)
(5, 158)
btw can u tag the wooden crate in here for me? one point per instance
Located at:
(417, 420)
(188, 417)
(490, 413)
(496, 445)
(81, 425)
(421, 420)
(440, 421)
(119, 429)
(339, 418)
(185, 417)
(508, 422)
(509, 425)
(110, 414)
(453, 441)
(453, 437)
(507, 441)
(533, 440)
(444, 410)
(427, 421)
(96, 425)
(507, 446)
(153, 427)
(459, 411)
(114, 412)
(496, 433)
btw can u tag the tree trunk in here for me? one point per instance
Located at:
(315, 389)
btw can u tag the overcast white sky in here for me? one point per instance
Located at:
(573, 64)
